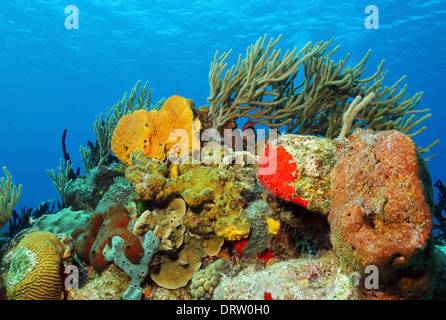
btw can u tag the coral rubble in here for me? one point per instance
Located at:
(302, 279)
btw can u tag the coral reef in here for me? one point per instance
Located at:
(28, 216)
(381, 214)
(200, 184)
(34, 272)
(211, 194)
(301, 233)
(257, 215)
(166, 224)
(232, 228)
(110, 285)
(148, 176)
(306, 217)
(173, 271)
(85, 193)
(121, 192)
(378, 196)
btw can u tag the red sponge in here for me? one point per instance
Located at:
(278, 183)
(109, 220)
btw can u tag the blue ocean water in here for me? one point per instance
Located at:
(53, 78)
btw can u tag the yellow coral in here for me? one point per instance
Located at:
(212, 194)
(273, 225)
(149, 131)
(174, 172)
(232, 228)
(234, 234)
(34, 273)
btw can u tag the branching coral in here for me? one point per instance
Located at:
(62, 181)
(9, 195)
(243, 88)
(356, 106)
(315, 105)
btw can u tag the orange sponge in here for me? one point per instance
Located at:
(149, 131)
(132, 132)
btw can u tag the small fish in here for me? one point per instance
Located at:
(28, 220)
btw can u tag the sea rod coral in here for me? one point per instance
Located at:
(9, 195)
(268, 89)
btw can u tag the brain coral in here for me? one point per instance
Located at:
(35, 268)
(149, 131)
